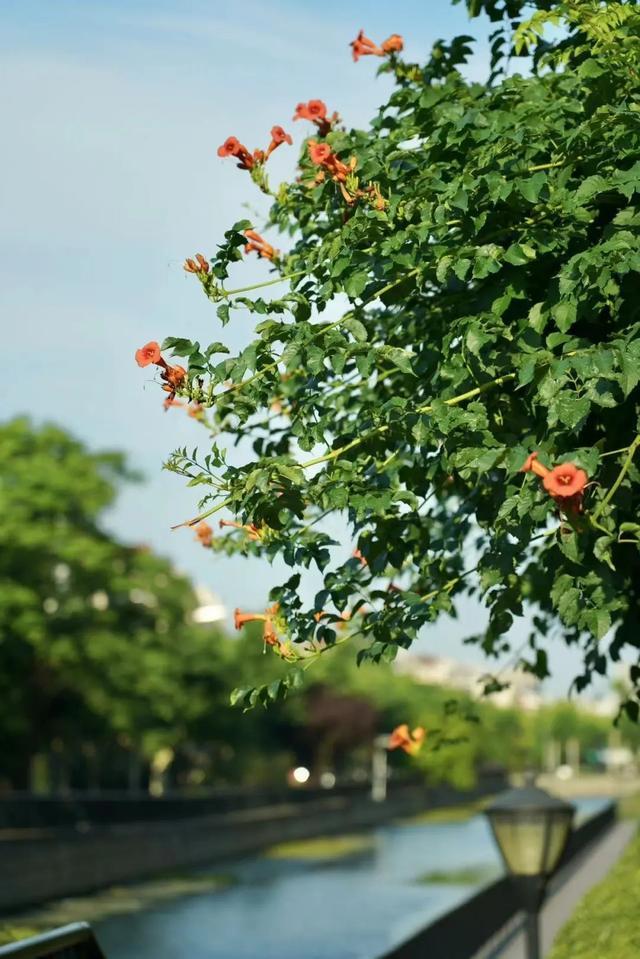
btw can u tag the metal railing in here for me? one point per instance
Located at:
(75, 941)
(23, 811)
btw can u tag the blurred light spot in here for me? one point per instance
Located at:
(100, 600)
(61, 573)
(142, 598)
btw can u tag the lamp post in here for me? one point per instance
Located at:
(531, 829)
(379, 768)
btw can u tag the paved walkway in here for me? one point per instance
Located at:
(589, 868)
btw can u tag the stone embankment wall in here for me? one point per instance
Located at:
(37, 864)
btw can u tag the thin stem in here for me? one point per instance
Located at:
(258, 286)
(623, 449)
(210, 512)
(471, 394)
(310, 660)
(322, 328)
(626, 466)
(428, 408)
(545, 166)
(334, 454)
(321, 516)
(447, 586)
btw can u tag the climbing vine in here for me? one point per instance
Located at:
(446, 352)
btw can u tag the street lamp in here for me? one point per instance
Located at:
(531, 829)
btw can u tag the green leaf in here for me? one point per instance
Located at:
(571, 409)
(476, 339)
(216, 348)
(597, 621)
(357, 329)
(602, 550)
(179, 346)
(537, 318)
(569, 605)
(531, 188)
(400, 358)
(519, 253)
(355, 284)
(565, 315)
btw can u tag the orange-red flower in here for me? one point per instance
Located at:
(199, 265)
(246, 160)
(230, 147)
(531, 465)
(195, 410)
(251, 529)
(204, 533)
(316, 111)
(149, 353)
(362, 46)
(240, 618)
(322, 155)
(565, 481)
(393, 44)
(278, 136)
(259, 245)
(269, 633)
(311, 110)
(410, 742)
(171, 401)
(174, 377)
(233, 148)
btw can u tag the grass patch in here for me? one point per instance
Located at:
(606, 924)
(629, 806)
(467, 876)
(448, 813)
(324, 848)
(114, 901)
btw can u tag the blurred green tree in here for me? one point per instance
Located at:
(96, 643)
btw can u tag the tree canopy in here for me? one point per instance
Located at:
(453, 365)
(95, 636)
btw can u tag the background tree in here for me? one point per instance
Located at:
(96, 644)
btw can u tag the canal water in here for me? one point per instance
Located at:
(356, 907)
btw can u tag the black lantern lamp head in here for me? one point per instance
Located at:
(531, 829)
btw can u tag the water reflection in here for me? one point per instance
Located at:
(286, 909)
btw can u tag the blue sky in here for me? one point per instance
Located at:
(112, 114)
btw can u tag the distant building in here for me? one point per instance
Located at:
(522, 691)
(210, 608)
(606, 705)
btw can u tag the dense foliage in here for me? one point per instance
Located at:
(103, 671)
(461, 291)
